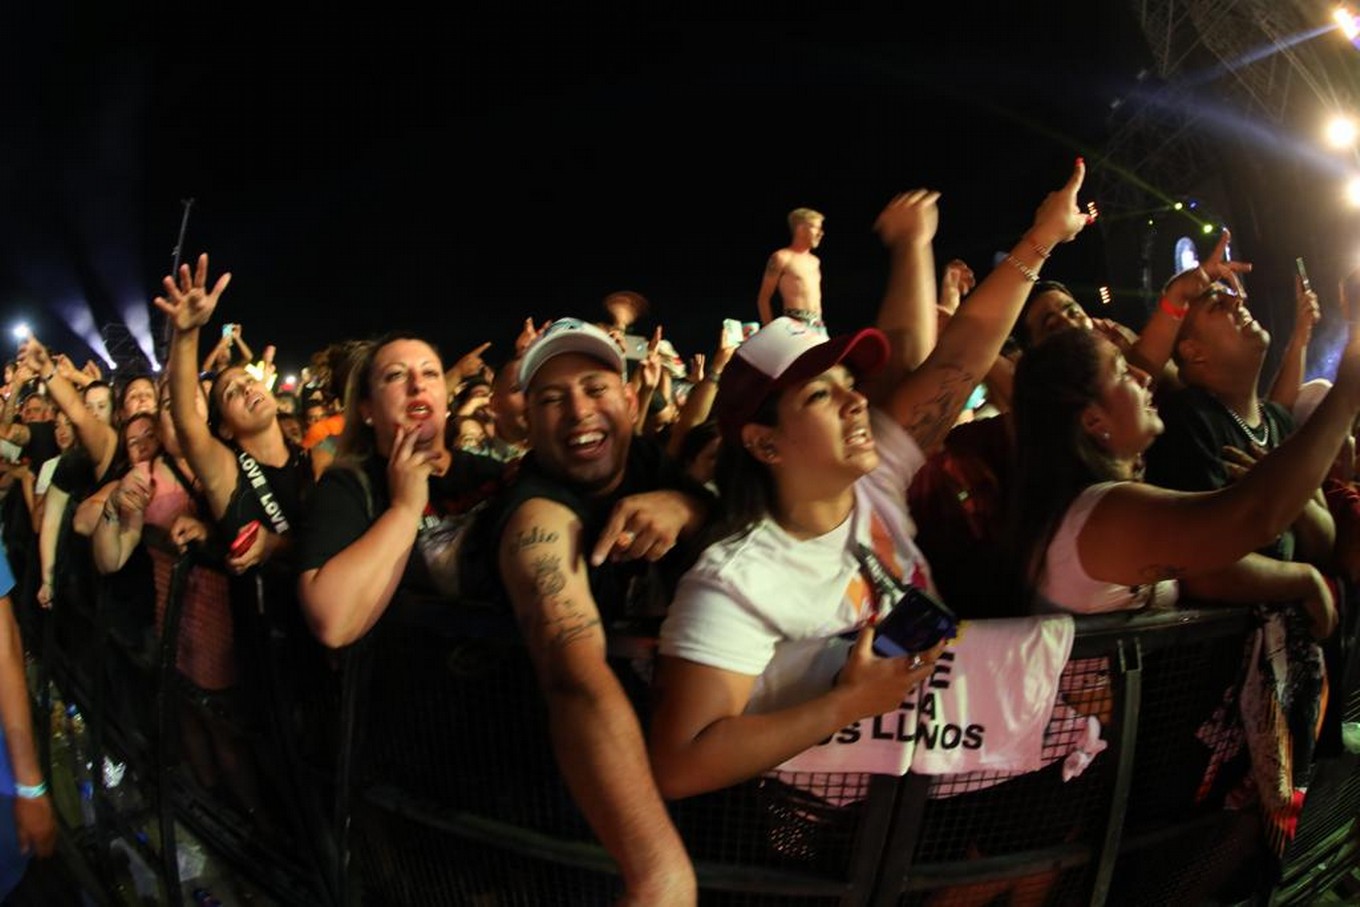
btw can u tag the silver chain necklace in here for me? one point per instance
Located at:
(1263, 441)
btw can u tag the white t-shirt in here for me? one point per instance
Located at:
(785, 610)
(1066, 586)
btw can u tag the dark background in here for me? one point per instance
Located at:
(422, 168)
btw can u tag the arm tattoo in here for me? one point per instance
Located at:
(932, 418)
(562, 620)
(527, 538)
(773, 266)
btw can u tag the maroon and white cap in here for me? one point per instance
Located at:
(783, 353)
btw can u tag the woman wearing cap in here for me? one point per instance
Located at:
(1092, 538)
(755, 666)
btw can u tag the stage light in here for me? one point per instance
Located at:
(1207, 229)
(21, 331)
(1346, 20)
(1353, 191)
(1341, 132)
(1105, 296)
(1178, 206)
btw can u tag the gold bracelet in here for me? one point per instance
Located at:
(1030, 274)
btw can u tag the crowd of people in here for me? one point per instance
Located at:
(771, 502)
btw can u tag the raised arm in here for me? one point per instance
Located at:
(595, 732)
(927, 402)
(1141, 533)
(99, 440)
(907, 314)
(15, 432)
(1284, 390)
(344, 597)
(189, 305)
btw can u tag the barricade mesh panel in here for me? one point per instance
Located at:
(1189, 746)
(1196, 865)
(804, 821)
(990, 813)
(205, 651)
(1053, 887)
(403, 861)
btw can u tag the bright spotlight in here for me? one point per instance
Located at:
(1105, 296)
(1178, 206)
(21, 331)
(1353, 191)
(1207, 229)
(1347, 22)
(1341, 132)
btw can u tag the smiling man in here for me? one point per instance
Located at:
(578, 538)
(1221, 351)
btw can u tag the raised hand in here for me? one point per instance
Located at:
(471, 363)
(695, 373)
(957, 282)
(34, 356)
(1219, 268)
(1307, 313)
(1059, 218)
(527, 335)
(408, 471)
(911, 217)
(188, 303)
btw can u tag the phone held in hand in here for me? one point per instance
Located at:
(918, 622)
(732, 332)
(1303, 274)
(244, 539)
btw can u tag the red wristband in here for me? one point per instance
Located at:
(1177, 312)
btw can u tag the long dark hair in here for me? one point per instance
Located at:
(745, 486)
(1054, 383)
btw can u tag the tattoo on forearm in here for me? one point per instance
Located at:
(932, 418)
(561, 621)
(535, 535)
(548, 577)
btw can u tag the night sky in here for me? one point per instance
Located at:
(364, 172)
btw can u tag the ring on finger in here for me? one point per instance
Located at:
(626, 539)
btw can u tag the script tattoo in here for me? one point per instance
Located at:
(563, 620)
(527, 538)
(933, 417)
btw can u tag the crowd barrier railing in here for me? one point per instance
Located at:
(415, 768)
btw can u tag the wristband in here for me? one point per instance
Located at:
(1177, 312)
(30, 791)
(1030, 274)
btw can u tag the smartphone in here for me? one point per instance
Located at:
(635, 347)
(918, 622)
(732, 332)
(226, 329)
(1303, 274)
(244, 539)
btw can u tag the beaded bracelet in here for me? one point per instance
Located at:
(30, 791)
(1030, 274)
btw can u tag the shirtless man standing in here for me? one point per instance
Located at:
(796, 272)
